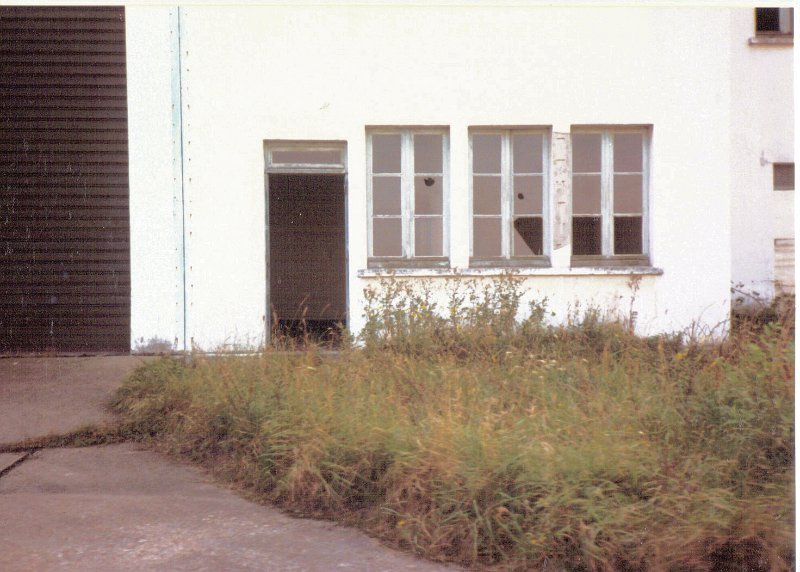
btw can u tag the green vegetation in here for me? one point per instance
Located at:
(482, 440)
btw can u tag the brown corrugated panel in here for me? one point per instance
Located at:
(64, 229)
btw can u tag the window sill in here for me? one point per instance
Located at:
(772, 40)
(623, 260)
(499, 271)
(510, 263)
(392, 264)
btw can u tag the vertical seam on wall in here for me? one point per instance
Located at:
(178, 168)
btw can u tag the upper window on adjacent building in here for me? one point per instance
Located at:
(774, 21)
(407, 180)
(509, 197)
(609, 195)
(783, 176)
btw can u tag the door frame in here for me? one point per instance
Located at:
(274, 165)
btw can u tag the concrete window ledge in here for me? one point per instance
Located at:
(524, 272)
(782, 40)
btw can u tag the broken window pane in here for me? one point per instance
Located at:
(586, 194)
(628, 152)
(528, 232)
(428, 236)
(768, 20)
(307, 157)
(586, 150)
(386, 153)
(387, 237)
(527, 195)
(486, 153)
(386, 195)
(586, 235)
(486, 195)
(628, 194)
(486, 237)
(427, 153)
(627, 235)
(428, 195)
(527, 153)
(783, 176)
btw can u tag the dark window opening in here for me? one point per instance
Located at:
(774, 20)
(586, 235)
(783, 176)
(528, 236)
(627, 235)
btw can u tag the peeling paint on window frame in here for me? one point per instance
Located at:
(408, 258)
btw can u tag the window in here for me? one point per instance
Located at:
(774, 21)
(609, 196)
(783, 176)
(509, 198)
(407, 180)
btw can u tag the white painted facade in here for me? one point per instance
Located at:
(208, 85)
(762, 134)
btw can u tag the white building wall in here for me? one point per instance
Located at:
(154, 177)
(251, 73)
(762, 133)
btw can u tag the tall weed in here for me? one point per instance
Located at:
(467, 435)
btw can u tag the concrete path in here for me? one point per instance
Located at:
(42, 396)
(119, 508)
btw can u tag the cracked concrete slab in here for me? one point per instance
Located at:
(121, 508)
(42, 396)
(7, 460)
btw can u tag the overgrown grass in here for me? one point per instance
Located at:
(490, 442)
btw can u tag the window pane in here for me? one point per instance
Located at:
(628, 152)
(527, 153)
(428, 236)
(486, 237)
(386, 195)
(307, 157)
(586, 152)
(627, 235)
(783, 176)
(486, 195)
(527, 195)
(387, 237)
(486, 153)
(768, 20)
(528, 236)
(428, 153)
(586, 233)
(386, 153)
(427, 195)
(628, 194)
(586, 194)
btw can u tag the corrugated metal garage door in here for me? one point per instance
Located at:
(64, 252)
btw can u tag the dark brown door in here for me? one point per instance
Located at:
(64, 230)
(307, 249)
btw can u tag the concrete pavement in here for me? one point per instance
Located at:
(48, 395)
(120, 508)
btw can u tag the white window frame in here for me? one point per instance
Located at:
(272, 146)
(407, 215)
(607, 256)
(507, 198)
